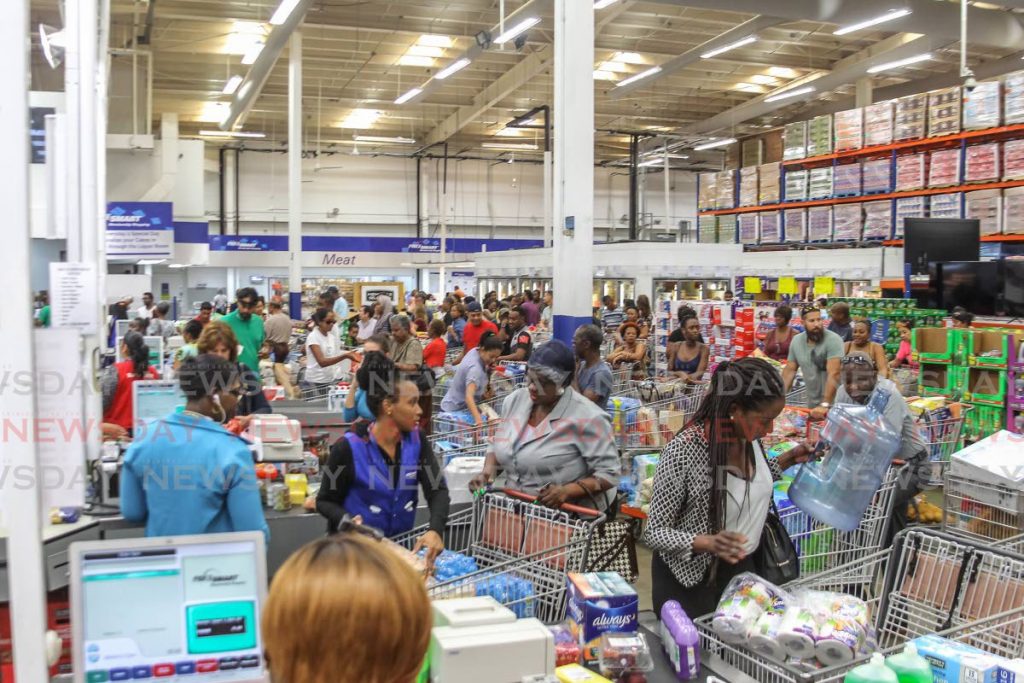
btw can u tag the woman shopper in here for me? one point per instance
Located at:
(376, 607)
(118, 379)
(218, 339)
(862, 343)
(776, 343)
(904, 352)
(645, 317)
(434, 352)
(552, 441)
(323, 352)
(471, 382)
(190, 334)
(631, 351)
(713, 488)
(387, 310)
(185, 473)
(457, 325)
(689, 361)
(367, 322)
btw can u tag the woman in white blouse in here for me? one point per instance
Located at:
(713, 488)
(323, 351)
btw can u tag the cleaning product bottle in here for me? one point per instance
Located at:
(680, 640)
(874, 671)
(909, 666)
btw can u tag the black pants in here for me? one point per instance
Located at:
(696, 600)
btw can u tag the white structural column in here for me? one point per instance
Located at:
(21, 513)
(865, 86)
(295, 176)
(574, 166)
(548, 198)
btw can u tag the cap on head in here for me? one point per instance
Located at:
(474, 307)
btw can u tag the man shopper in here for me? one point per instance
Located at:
(247, 327)
(816, 352)
(475, 328)
(593, 376)
(516, 338)
(145, 311)
(840, 322)
(159, 325)
(530, 309)
(407, 352)
(612, 315)
(340, 303)
(205, 313)
(220, 302)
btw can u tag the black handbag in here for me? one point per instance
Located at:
(776, 560)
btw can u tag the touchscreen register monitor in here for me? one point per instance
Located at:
(169, 609)
(153, 399)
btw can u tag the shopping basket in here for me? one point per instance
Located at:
(981, 510)
(928, 582)
(514, 541)
(638, 414)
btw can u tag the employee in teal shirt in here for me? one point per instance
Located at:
(185, 474)
(248, 328)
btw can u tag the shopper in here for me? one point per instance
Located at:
(548, 312)
(518, 343)
(436, 349)
(407, 351)
(372, 473)
(375, 362)
(220, 302)
(43, 314)
(904, 352)
(185, 473)
(531, 310)
(387, 310)
(475, 328)
(611, 314)
(645, 316)
(678, 335)
(553, 442)
(145, 311)
(815, 352)
(260, 311)
(777, 342)
(338, 303)
(248, 328)
(367, 323)
(117, 380)
(420, 320)
(861, 379)
(346, 608)
(323, 353)
(861, 343)
(278, 330)
(962, 318)
(593, 377)
(159, 325)
(444, 312)
(713, 488)
(471, 382)
(190, 334)
(205, 313)
(218, 339)
(631, 352)
(840, 322)
(690, 359)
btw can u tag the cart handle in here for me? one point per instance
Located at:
(566, 507)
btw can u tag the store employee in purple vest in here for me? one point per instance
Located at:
(374, 474)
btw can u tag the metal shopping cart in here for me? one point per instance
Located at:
(906, 379)
(516, 544)
(638, 414)
(982, 510)
(928, 582)
(943, 438)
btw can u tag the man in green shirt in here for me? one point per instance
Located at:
(247, 327)
(816, 353)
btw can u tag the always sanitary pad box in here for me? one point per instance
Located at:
(599, 602)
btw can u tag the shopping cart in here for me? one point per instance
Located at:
(982, 510)
(797, 395)
(906, 379)
(517, 544)
(943, 438)
(622, 378)
(638, 414)
(928, 582)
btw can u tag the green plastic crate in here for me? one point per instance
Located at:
(984, 385)
(980, 342)
(934, 344)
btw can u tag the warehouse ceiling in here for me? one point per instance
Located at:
(359, 57)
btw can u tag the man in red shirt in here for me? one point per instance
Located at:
(205, 313)
(475, 329)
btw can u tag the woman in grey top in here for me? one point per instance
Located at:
(552, 442)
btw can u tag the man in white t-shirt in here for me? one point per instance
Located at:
(145, 311)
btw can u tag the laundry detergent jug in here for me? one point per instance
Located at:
(860, 447)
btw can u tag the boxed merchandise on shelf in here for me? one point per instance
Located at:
(707, 229)
(847, 222)
(944, 111)
(748, 186)
(910, 172)
(985, 206)
(876, 176)
(795, 222)
(819, 183)
(1013, 98)
(748, 232)
(796, 186)
(878, 220)
(849, 127)
(945, 205)
(1013, 211)
(944, 168)
(982, 163)
(1013, 160)
(794, 140)
(819, 224)
(725, 190)
(770, 226)
(982, 106)
(707, 184)
(769, 183)
(909, 207)
(846, 180)
(878, 123)
(910, 117)
(819, 135)
(727, 229)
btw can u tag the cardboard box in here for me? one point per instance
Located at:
(933, 344)
(985, 385)
(988, 348)
(954, 662)
(598, 603)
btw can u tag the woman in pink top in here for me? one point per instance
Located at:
(777, 341)
(903, 353)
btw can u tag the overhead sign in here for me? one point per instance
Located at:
(348, 244)
(37, 133)
(140, 230)
(248, 243)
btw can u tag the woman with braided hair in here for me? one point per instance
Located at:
(713, 487)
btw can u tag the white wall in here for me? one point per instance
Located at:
(131, 174)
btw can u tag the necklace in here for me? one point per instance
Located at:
(193, 413)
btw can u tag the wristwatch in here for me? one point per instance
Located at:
(824, 404)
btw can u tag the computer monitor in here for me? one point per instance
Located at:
(169, 609)
(153, 399)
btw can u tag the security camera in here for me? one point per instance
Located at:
(970, 83)
(520, 41)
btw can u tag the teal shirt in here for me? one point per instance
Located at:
(813, 362)
(250, 335)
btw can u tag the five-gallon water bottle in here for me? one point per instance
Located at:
(874, 671)
(861, 446)
(909, 666)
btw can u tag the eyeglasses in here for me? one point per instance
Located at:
(246, 304)
(857, 360)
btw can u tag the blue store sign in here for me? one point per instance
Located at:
(140, 230)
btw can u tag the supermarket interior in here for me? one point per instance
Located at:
(517, 341)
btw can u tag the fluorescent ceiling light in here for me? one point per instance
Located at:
(284, 10)
(384, 140)
(244, 35)
(604, 75)
(643, 74)
(888, 16)
(360, 118)
(901, 62)
(455, 66)
(409, 95)
(214, 112)
(150, 261)
(434, 40)
(782, 72)
(714, 144)
(731, 46)
(659, 161)
(601, 4)
(521, 27)
(613, 66)
(628, 58)
(425, 51)
(795, 92)
(178, 265)
(232, 85)
(252, 54)
(749, 87)
(509, 133)
(761, 79)
(509, 145)
(230, 134)
(413, 60)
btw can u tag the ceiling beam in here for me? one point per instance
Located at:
(610, 14)
(501, 88)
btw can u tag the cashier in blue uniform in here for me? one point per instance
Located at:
(553, 442)
(374, 473)
(185, 474)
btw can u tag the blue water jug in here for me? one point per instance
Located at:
(861, 446)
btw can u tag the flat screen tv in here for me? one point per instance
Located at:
(927, 240)
(1013, 287)
(972, 285)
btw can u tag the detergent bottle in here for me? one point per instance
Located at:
(680, 640)
(860, 448)
(874, 671)
(909, 666)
